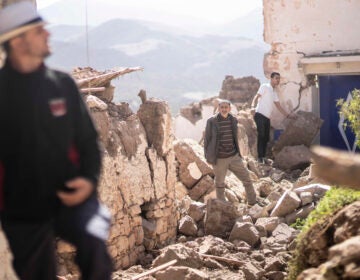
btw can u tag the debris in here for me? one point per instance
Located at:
(156, 269)
(226, 260)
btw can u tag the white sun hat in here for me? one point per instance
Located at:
(220, 101)
(18, 18)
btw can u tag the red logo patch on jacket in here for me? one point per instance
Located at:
(58, 107)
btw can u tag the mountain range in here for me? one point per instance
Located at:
(178, 67)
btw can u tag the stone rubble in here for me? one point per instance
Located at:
(160, 191)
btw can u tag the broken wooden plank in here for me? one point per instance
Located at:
(156, 269)
(227, 260)
(336, 167)
(99, 80)
(92, 89)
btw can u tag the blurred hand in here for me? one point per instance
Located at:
(252, 111)
(292, 116)
(80, 189)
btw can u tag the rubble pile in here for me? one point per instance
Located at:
(228, 239)
(167, 222)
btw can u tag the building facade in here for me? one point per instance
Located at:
(315, 45)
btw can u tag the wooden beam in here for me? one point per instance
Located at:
(94, 89)
(156, 269)
(227, 260)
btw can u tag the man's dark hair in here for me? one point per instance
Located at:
(273, 74)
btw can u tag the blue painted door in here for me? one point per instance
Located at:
(333, 88)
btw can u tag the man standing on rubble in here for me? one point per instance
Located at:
(262, 106)
(221, 149)
(49, 157)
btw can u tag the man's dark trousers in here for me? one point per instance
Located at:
(33, 243)
(263, 130)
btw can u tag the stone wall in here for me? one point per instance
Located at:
(239, 90)
(138, 180)
(137, 183)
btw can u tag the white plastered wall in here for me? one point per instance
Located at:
(299, 28)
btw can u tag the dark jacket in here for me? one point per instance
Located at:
(211, 139)
(47, 138)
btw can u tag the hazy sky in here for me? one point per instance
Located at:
(214, 11)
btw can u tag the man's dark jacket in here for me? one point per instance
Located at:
(47, 137)
(211, 139)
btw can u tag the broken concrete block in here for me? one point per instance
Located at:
(286, 204)
(317, 190)
(306, 198)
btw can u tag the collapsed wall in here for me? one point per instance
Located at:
(138, 179)
(137, 183)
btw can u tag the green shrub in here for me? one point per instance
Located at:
(351, 112)
(334, 200)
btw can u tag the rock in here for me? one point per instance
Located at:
(274, 264)
(299, 131)
(95, 103)
(269, 223)
(306, 198)
(275, 275)
(220, 217)
(301, 213)
(197, 211)
(241, 90)
(257, 211)
(187, 226)
(265, 187)
(203, 187)
(185, 256)
(193, 165)
(252, 271)
(317, 190)
(180, 191)
(246, 232)
(284, 234)
(156, 119)
(293, 157)
(286, 204)
(181, 273)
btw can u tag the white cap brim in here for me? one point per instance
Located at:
(16, 32)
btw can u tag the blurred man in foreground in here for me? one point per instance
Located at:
(49, 157)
